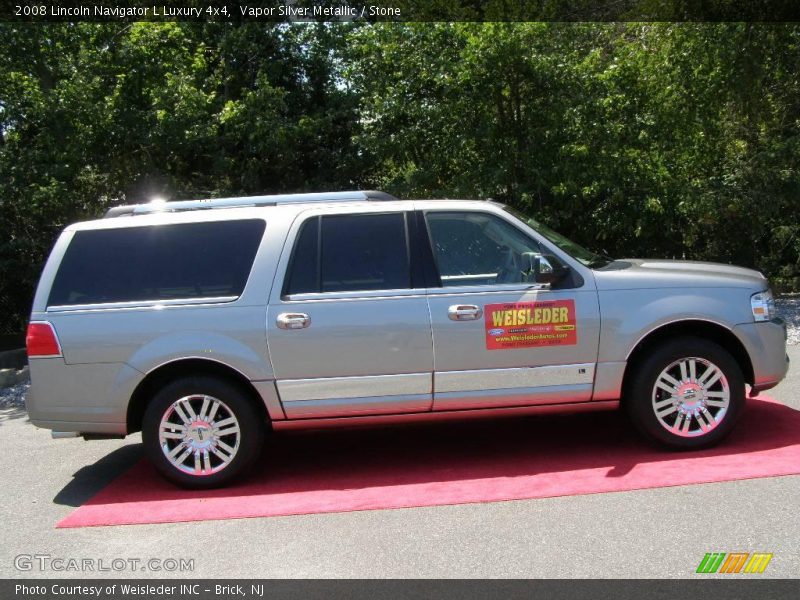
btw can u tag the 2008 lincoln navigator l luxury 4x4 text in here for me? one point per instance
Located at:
(205, 324)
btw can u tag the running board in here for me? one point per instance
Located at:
(63, 435)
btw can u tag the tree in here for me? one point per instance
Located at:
(93, 115)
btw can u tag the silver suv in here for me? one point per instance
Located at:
(206, 324)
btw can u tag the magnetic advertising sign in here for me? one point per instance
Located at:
(530, 324)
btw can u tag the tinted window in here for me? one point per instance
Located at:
(304, 268)
(162, 262)
(355, 253)
(474, 248)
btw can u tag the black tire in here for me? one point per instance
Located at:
(234, 402)
(641, 394)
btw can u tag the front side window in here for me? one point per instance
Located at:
(158, 262)
(349, 253)
(578, 252)
(474, 248)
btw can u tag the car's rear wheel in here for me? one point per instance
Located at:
(202, 432)
(687, 393)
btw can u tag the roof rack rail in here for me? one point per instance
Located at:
(243, 201)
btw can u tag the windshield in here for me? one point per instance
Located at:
(578, 252)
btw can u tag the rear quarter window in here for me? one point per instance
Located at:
(159, 262)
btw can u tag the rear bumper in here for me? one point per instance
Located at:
(80, 398)
(766, 345)
(81, 428)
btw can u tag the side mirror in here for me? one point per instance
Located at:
(548, 269)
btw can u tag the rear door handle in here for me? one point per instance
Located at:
(464, 312)
(293, 321)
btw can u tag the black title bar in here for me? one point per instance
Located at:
(733, 588)
(277, 11)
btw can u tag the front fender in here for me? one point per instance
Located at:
(628, 316)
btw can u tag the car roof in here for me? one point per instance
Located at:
(261, 206)
(242, 201)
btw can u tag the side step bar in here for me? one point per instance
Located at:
(62, 435)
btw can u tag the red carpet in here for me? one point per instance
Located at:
(455, 463)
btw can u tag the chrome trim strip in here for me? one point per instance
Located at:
(522, 396)
(503, 379)
(353, 295)
(486, 413)
(141, 303)
(490, 290)
(330, 388)
(467, 277)
(345, 407)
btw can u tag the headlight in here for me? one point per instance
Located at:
(763, 306)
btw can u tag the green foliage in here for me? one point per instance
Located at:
(93, 115)
(670, 140)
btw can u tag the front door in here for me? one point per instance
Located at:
(349, 332)
(499, 339)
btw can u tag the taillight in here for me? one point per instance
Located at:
(41, 340)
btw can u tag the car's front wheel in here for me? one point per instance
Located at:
(686, 394)
(202, 432)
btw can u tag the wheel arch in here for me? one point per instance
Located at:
(186, 367)
(708, 330)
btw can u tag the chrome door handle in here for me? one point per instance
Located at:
(464, 312)
(293, 321)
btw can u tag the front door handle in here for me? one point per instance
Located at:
(293, 321)
(464, 312)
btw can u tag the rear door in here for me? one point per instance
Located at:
(500, 340)
(348, 328)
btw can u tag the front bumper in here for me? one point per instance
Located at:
(765, 343)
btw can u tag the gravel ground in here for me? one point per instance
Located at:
(788, 309)
(14, 396)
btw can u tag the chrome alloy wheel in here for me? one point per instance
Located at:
(691, 397)
(199, 435)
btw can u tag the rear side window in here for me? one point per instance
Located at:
(343, 253)
(160, 262)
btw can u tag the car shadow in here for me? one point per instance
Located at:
(12, 413)
(352, 459)
(89, 480)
